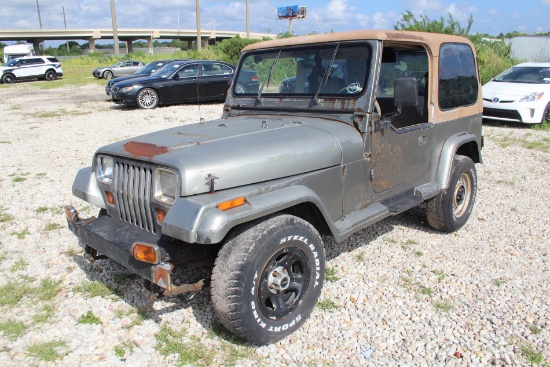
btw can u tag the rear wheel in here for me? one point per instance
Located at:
(450, 210)
(108, 74)
(50, 75)
(267, 278)
(8, 79)
(147, 98)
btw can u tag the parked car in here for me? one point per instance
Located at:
(177, 82)
(259, 185)
(520, 94)
(147, 70)
(31, 67)
(121, 68)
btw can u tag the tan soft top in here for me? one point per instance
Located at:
(431, 40)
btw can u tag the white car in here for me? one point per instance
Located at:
(520, 94)
(31, 67)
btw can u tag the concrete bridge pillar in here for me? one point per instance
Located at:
(189, 44)
(91, 46)
(150, 44)
(129, 46)
(36, 46)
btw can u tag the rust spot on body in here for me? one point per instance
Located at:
(144, 149)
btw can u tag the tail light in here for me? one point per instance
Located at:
(255, 78)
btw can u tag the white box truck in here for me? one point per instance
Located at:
(19, 50)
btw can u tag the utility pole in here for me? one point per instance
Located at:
(65, 21)
(198, 11)
(247, 21)
(39, 18)
(115, 31)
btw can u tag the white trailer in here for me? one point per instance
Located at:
(19, 50)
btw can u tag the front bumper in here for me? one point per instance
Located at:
(114, 239)
(524, 112)
(124, 98)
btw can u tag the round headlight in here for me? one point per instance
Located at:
(104, 170)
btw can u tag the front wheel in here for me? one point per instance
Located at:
(267, 278)
(108, 74)
(50, 75)
(147, 98)
(546, 114)
(450, 210)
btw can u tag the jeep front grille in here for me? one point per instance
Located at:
(132, 185)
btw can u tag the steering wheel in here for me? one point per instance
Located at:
(353, 88)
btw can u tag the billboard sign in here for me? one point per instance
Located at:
(287, 12)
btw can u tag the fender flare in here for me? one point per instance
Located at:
(448, 152)
(195, 221)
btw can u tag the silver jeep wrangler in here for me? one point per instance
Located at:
(341, 131)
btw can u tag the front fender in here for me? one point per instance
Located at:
(447, 156)
(85, 187)
(196, 220)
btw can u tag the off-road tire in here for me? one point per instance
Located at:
(8, 79)
(450, 210)
(250, 261)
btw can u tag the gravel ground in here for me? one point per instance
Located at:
(402, 294)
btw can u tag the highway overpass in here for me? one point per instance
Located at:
(128, 35)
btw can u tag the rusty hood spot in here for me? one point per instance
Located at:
(148, 150)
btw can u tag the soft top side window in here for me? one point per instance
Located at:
(458, 84)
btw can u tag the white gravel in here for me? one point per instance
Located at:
(406, 294)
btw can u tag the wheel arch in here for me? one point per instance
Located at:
(196, 222)
(11, 74)
(465, 144)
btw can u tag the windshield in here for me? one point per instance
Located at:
(525, 74)
(150, 68)
(304, 71)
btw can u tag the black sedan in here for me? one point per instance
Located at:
(177, 82)
(147, 70)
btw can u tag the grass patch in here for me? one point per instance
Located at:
(545, 126)
(531, 355)
(6, 217)
(499, 281)
(12, 329)
(21, 234)
(534, 329)
(18, 179)
(425, 290)
(44, 314)
(360, 257)
(119, 351)
(72, 251)
(48, 289)
(93, 289)
(11, 293)
(41, 174)
(51, 226)
(41, 209)
(5, 142)
(327, 305)
(89, 318)
(440, 275)
(20, 264)
(541, 144)
(418, 253)
(330, 274)
(189, 350)
(46, 351)
(443, 306)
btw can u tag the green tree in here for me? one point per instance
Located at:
(230, 48)
(409, 22)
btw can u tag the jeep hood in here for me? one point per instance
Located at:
(238, 151)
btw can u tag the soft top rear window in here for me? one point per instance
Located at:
(327, 69)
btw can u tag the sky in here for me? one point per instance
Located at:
(492, 17)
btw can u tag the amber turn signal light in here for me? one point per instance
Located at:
(233, 203)
(161, 214)
(146, 252)
(110, 198)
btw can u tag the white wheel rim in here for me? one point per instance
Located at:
(147, 99)
(462, 195)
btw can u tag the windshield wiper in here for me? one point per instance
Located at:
(315, 100)
(259, 95)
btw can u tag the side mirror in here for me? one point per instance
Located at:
(405, 92)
